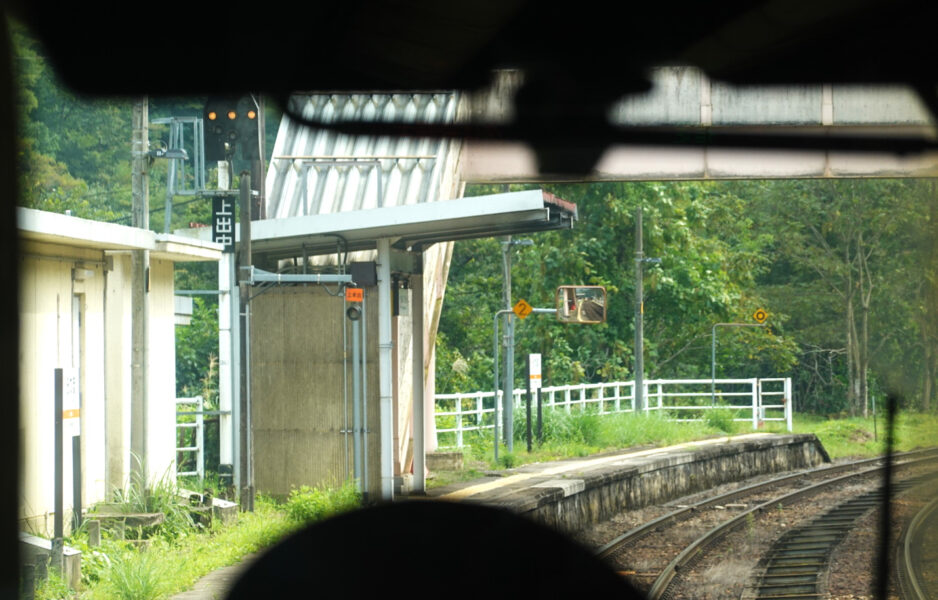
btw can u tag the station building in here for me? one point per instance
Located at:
(75, 315)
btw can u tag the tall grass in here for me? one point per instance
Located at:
(118, 571)
(861, 437)
(137, 576)
(582, 432)
(309, 504)
(161, 496)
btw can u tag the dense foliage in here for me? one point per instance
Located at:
(845, 268)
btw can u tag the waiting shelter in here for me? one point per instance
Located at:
(337, 377)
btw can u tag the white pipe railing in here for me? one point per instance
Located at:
(198, 440)
(762, 400)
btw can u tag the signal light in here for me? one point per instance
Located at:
(239, 130)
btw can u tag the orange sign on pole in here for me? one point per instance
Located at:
(522, 309)
(354, 294)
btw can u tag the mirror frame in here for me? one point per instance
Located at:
(560, 307)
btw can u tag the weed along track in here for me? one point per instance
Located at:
(714, 547)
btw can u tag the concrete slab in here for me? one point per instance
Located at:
(216, 584)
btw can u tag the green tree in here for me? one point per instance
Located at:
(710, 259)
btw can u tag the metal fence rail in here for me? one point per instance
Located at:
(752, 400)
(186, 442)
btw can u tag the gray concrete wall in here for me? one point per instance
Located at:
(664, 478)
(298, 382)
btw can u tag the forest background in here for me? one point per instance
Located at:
(845, 268)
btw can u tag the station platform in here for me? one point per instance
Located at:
(573, 494)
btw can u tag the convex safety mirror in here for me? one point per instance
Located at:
(581, 304)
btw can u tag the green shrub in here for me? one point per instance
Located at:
(507, 460)
(721, 419)
(161, 496)
(581, 426)
(136, 576)
(52, 587)
(308, 504)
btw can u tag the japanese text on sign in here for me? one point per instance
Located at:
(223, 222)
(71, 424)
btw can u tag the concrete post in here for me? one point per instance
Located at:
(245, 457)
(421, 410)
(385, 344)
(639, 315)
(94, 532)
(140, 271)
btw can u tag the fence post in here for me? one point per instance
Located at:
(566, 399)
(755, 403)
(200, 438)
(660, 405)
(602, 398)
(436, 436)
(633, 396)
(789, 403)
(582, 396)
(479, 407)
(458, 421)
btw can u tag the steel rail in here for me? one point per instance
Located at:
(907, 567)
(797, 561)
(693, 552)
(634, 535)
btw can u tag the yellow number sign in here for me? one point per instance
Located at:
(522, 309)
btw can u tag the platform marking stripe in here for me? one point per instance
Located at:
(491, 485)
(585, 464)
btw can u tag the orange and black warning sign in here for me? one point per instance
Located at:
(522, 309)
(354, 294)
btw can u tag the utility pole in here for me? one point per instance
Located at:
(244, 262)
(140, 272)
(639, 315)
(508, 389)
(509, 341)
(640, 261)
(258, 170)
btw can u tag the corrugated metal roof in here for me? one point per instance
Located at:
(318, 172)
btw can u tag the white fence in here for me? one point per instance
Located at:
(190, 435)
(753, 400)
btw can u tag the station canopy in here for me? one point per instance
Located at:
(410, 227)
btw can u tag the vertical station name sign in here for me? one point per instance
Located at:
(223, 222)
(71, 404)
(534, 371)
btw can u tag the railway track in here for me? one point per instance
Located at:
(800, 558)
(668, 538)
(917, 555)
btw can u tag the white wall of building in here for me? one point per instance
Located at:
(75, 312)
